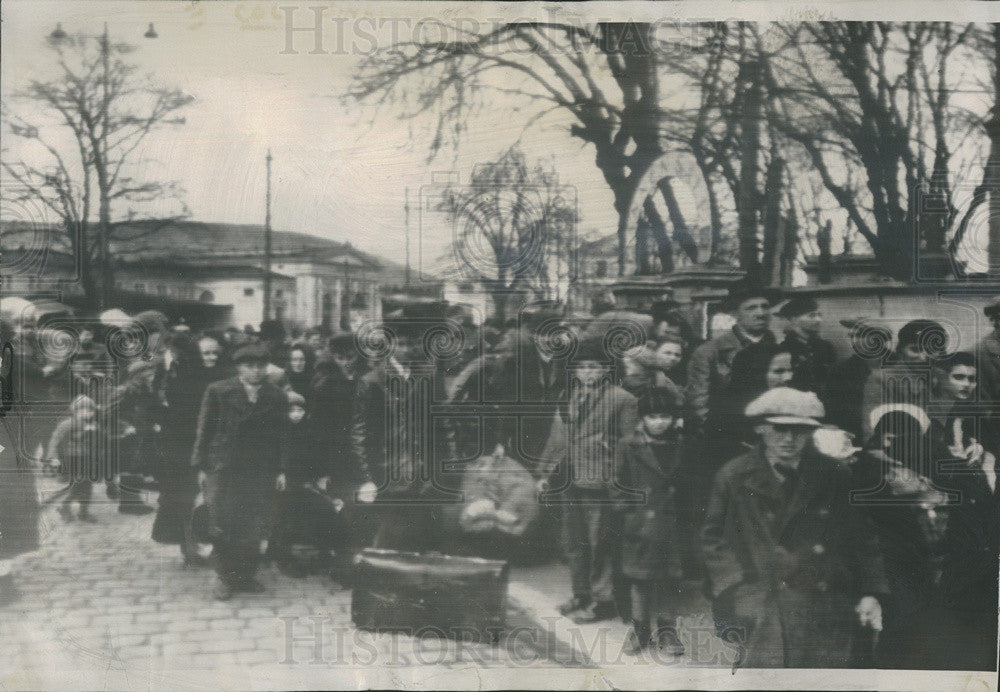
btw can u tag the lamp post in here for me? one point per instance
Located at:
(101, 164)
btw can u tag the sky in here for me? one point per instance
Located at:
(337, 172)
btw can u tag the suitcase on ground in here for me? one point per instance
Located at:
(429, 594)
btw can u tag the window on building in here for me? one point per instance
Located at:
(248, 291)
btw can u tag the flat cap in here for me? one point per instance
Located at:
(250, 352)
(798, 305)
(295, 399)
(787, 406)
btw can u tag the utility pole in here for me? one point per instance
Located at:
(267, 244)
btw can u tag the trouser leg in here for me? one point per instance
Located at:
(578, 553)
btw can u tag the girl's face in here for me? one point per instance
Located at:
(297, 361)
(296, 414)
(669, 354)
(657, 423)
(779, 373)
(210, 350)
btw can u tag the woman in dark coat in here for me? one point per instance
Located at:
(650, 550)
(18, 505)
(193, 367)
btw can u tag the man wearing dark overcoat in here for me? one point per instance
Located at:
(792, 567)
(239, 451)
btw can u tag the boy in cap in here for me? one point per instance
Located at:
(792, 564)
(240, 451)
(812, 357)
(584, 448)
(650, 555)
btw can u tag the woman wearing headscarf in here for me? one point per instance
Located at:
(193, 366)
(299, 369)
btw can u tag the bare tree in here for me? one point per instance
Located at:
(513, 229)
(605, 76)
(108, 110)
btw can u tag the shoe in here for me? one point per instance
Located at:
(136, 509)
(253, 586)
(638, 639)
(222, 591)
(87, 517)
(66, 513)
(667, 640)
(595, 612)
(572, 605)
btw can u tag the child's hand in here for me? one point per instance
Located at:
(323, 483)
(129, 430)
(367, 492)
(281, 483)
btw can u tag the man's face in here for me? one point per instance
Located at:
(252, 372)
(209, 350)
(590, 372)
(657, 423)
(807, 324)
(958, 384)
(669, 354)
(779, 373)
(784, 442)
(754, 315)
(297, 361)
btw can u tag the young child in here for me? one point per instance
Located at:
(306, 515)
(72, 448)
(650, 549)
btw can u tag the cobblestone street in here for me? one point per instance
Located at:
(103, 606)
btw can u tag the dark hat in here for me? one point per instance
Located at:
(742, 291)
(660, 400)
(798, 305)
(930, 335)
(343, 343)
(992, 308)
(591, 349)
(250, 352)
(664, 309)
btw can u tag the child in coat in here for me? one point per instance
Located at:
(73, 450)
(650, 548)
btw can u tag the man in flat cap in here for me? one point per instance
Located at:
(240, 452)
(793, 567)
(707, 383)
(812, 357)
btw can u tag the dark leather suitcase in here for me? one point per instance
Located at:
(429, 594)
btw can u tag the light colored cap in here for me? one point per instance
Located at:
(787, 406)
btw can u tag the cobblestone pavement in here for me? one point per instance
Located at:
(102, 605)
(106, 602)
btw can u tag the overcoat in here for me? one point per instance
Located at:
(19, 509)
(650, 546)
(787, 561)
(241, 447)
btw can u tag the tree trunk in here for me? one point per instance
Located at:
(772, 220)
(747, 199)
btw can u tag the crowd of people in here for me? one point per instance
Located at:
(816, 499)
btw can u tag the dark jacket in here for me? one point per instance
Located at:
(589, 441)
(650, 543)
(787, 562)
(812, 360)
(843, 393)
(305, 458)
(708, 375)
(235, 435)
(331, 401)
